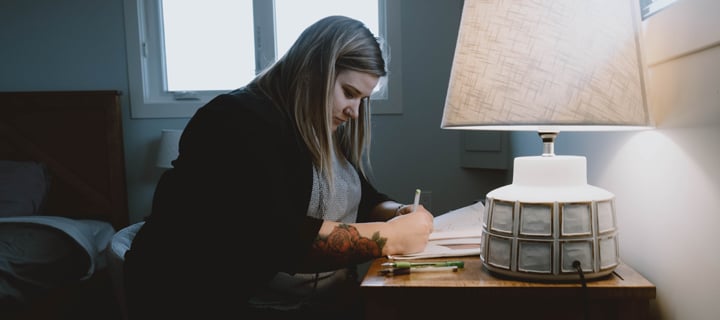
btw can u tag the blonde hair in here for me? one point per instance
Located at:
(301, 84)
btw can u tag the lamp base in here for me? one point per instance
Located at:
(549, 218)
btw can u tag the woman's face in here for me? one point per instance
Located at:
(350, 88)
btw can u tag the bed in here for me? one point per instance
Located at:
(62, 198)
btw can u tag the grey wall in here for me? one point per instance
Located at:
(80, 45)
(410, 150)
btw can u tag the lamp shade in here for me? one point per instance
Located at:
(168, 148)
(565, 64)
(548, 66)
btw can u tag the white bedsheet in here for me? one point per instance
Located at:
(93, 235)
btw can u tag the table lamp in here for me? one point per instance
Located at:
(548, 66)
(168, 148)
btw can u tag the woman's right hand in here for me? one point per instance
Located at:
(409, 232)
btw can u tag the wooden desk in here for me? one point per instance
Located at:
(476, 293)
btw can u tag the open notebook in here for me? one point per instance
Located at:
(455, 233)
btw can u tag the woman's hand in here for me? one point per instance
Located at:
(409, 232)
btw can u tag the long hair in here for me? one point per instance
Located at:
(301, 84)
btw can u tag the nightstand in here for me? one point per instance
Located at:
(473, 291)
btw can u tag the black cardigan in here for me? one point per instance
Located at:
(230, 214)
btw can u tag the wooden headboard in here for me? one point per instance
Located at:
(78, 136)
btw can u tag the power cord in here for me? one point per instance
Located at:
(578, 266)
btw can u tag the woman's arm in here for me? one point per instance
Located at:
(339, 245)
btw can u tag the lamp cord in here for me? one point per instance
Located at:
(577, 265)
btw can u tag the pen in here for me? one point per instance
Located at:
(424, 264)
(417, 200)
(399, 271)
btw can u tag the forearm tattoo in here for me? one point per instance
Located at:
(345, 246)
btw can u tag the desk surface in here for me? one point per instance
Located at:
(622, 295)
(624, 283)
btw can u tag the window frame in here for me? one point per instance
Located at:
(146, 74)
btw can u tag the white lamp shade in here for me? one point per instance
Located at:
(168, 148)
(565, 64)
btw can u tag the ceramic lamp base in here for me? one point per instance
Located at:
(549, 218)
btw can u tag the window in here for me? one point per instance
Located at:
(181, 54)
(651, 7)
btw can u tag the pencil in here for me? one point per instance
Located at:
(417, 200)
(416, 264)
(399, 271)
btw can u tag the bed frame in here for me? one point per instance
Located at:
(78, 136)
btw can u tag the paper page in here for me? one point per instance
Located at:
(455, 233)
(436, 251)
(465, 218)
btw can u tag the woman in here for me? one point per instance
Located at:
(267, 207)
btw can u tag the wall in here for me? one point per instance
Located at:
(410, 150)
(80, 45)
(667, 180)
